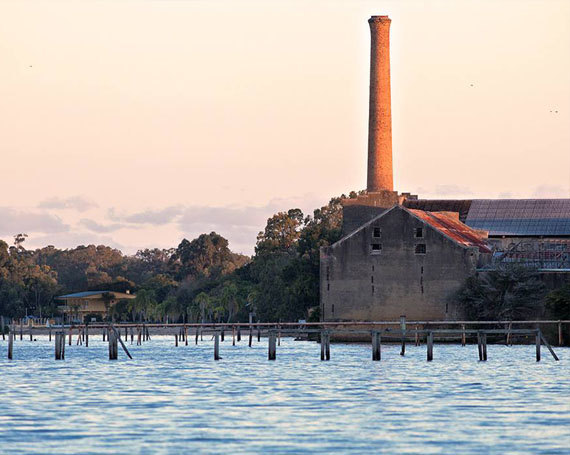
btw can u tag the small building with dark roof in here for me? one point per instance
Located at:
(97, 303)
(403, 261)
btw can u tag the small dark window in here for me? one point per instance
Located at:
(372, 279)
(377, 232)
(328, 286)
(373, 268)
(419, 233)
(446, 308)
(372, 289)
(376, 248)
(420, 248)
(332, 308)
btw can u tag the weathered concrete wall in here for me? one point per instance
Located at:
(354, 216)
(357, 284)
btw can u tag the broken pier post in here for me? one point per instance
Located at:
(217, 346)
(430, 346)
(325, 345)
(376, 346)
(272, 354)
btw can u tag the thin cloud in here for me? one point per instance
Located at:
(13, 221)
(78, 203)
(550, 191)
(154, 217)
(94, 226)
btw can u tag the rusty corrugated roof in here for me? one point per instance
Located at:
(453, 228)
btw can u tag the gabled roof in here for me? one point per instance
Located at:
(443, 222)
(453, 228)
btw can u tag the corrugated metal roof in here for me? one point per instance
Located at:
(508, 217)
(460, 206)
(521, 217)
(453, 228)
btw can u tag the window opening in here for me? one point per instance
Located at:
(376, 248)
(420, 248)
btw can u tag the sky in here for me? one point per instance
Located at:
(136, 123)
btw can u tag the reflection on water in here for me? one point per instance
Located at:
(179, 400)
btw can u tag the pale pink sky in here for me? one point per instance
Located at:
(137, 123)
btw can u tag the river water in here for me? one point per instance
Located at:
(179, 400)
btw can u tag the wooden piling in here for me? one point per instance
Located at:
(132, 334)
(21, 329)
(10, 343)
(185, 336)
(233, 336)
(222, 335)
(537, 340)
(139, 336)
(463, 338)
(376, 346)
(403, 329)
(2, 328)
(325, 345)
(479, 346)
(484, 345)
(250, 335)
(113, 347)
(31, 336)
(258, 334)
(217, 346)
(509, 341)
(70, 332)
(560, 339)
(87, 335)
(122, 344)
(239, 334)
(549, 347)
(197, 334)
(430, 346)
(272, 354)
(49, 333)
(279, 335)
(176, 340)
(59, 346)
(104, 333)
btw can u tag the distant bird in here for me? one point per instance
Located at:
(471, 85)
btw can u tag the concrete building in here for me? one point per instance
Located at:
(401, 262)
(404, 255)
(97, 303)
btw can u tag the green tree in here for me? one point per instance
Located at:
(558, 302)
(509, 293)
(281, 233)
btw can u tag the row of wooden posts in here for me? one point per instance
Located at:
(112, 334)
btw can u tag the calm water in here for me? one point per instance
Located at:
(178, 400)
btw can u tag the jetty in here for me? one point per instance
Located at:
(377, 332)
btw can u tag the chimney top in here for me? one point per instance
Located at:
(379, 19)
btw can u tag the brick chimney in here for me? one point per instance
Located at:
(380, 175)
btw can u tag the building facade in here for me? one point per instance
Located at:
(403, 262)
(93, 303)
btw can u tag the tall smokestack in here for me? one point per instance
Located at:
(380, 176)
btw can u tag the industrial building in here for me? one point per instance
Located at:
(401, 255)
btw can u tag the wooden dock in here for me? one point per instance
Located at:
(376, 332)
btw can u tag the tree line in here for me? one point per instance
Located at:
(199, 280)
